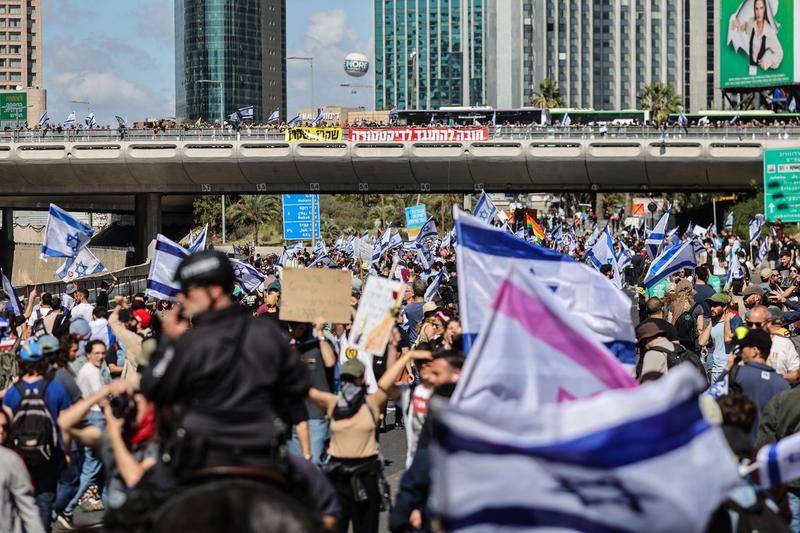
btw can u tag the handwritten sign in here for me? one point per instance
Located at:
(375, 317)
(309, 293)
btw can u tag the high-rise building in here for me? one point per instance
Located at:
(429, 54)
(20, 44)
(602, 52)
(232, 52)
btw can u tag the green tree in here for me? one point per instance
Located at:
(743, 213)
(329, 230)
(253, 211)
(660, 99)
(549, 95)
(208, 210)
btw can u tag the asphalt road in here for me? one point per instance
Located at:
(393, 447)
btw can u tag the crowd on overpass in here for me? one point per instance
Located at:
(207, 396)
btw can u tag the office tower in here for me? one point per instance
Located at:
(20, 44)
(231, 51)
(429, 54)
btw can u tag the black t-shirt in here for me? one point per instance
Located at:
(670, 332)
(321, 377)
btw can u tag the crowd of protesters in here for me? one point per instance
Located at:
(211, 413)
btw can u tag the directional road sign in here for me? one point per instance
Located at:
(300, 214)
(782, 184)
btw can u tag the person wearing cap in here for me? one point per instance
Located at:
(783, 355)
(753, 375)
(227, 362)
(32, 369)
(765, 274)
(653, 348)
(752, 296)
(717, 336)
(354, 466)
(654, 308)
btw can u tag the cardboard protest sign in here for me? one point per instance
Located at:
(309, 293)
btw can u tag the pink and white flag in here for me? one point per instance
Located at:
(532, 351)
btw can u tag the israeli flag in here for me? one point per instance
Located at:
(624, 257)
(120, 120)
(161, 283)
(199, 244)
(778, 462)
(735, 270)
(485, 209)
(11, 295)
(682, 120)
(433, 288)
(729, 221)
(763, 251)
(393, 113)
(71, 120)
(422, 259)
(409, 246)
(82, 265)
(294, 121)
(602, 253)
(735, 118)
(755, 227)
(91, 121)
(64, 236)
(445, 242)
(395, 241)
(619, 461)
(275, 116)
(320, 249)
(673, 259)
(485, 254)
(248, 277)
(247, 112)
(385, 238)
(320, 116)
(44, 119)
(234, 117)
(656, 237)
(566, 121)
(428, 231)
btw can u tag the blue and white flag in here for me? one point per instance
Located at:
(71, 120)
(763, 250)
(624, 257)
(735, 270)
(623, 461)
(409, 246)
(485, 254)
(120, 121)
(656, 237)
(682, 120)
(248, 277)
(428, 230)
(755, 227)
(64, 236)
(234, 117)
(485, 209)
(80, 266)
(161, 283)
(320, 249)
(433, 288)
(675, 258)
(320, 116)
(566, 121)
(275, 116)
(395, 241)
(393, 113)
(729, 221)
(445, 242)
(91, 121)
(602, 253)
(199, 244)
(422, 259)
(11, 295)
(294, 121)
(247, 112)
(735, 118)
(44, 119)
(779, 463)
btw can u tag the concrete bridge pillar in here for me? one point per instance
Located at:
(148, 223)
(7, 244)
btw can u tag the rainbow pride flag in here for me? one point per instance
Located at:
(534, 227)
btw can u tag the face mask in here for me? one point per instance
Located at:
(350, 399)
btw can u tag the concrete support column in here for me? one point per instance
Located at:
(148, 224)
(7, 244)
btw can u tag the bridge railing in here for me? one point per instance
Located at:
(673, 133)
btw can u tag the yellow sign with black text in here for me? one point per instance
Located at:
(313, 134)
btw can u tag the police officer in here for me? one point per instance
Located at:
(230, 376)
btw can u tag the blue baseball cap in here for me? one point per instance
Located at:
(31, 352)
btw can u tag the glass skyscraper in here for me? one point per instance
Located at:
(241, 43)
(429, 53)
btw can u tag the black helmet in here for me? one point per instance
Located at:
(205, 268)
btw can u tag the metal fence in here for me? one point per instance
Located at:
(129, 282)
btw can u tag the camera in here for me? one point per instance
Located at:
(123, 407)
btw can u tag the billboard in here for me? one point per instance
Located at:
(416, 216)
(781, 179)
(757, 43)
(14, 106)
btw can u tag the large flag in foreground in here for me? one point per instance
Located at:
(64, 236)
(484, 255)
(624, 461)
(166, 258)
(531, 351)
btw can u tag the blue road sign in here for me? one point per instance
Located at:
(300, 212)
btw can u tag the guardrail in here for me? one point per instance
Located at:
(130, 281)
(495, 133)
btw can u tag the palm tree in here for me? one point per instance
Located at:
(330, 230)
(254, 210)
(661, 100)
(441, 207)
(549, 95)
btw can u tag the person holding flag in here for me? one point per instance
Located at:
(534, 229)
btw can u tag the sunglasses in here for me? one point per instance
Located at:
(754, 324)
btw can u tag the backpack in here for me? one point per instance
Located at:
(38, 329)
(682, 355)
(33, 431)
(686, 328)
(763, 515)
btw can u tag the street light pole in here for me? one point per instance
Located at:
(311, 64)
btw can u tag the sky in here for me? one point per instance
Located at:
(119, 55)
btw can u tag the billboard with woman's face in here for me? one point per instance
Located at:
(757, 43)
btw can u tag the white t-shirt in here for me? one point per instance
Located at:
(783, 356)
(83, 311)
(90, 381)
(38, 312)
(415, 415)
